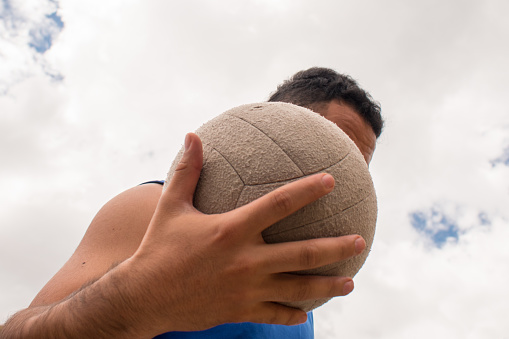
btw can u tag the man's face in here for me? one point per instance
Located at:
(353, 125)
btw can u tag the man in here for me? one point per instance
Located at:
(150, 263)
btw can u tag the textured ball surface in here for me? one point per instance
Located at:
(252, 149)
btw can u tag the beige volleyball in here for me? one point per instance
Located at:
(252, 149)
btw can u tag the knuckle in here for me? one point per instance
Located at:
(342, 253)
(333, 288)
(283, 316)
(244, 268)
(303, 291)
(294, 316)
(182, 165)
(310, 255)
(345, 250)
(274, 318)
(225, 234)
(282, 200)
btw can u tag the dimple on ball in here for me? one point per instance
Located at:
(253, 149)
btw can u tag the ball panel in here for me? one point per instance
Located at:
(341, 223)
(353, 181)
(351, 188)
(218, 182)
(350, 223)
(307, 137)
(256, 157)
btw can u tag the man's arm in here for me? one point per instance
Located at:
(191, 271)
(114, 235)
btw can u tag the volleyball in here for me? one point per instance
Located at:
(253, 149)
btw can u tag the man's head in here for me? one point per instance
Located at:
(338, 98)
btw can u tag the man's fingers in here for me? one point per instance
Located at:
(273, 313)
(309, 254)
(292, 287)
(278, 204)
(184, 180)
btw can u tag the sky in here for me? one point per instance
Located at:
(97, 96)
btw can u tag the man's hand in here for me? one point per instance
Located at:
(201, 270)
(191, 271)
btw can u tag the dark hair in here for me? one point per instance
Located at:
(317, 86)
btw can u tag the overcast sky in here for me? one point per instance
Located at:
(96, 96)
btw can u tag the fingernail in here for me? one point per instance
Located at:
(328, 181)
(187, 142)
(360, 245)
(348, 287)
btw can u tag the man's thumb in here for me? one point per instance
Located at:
(187, 172)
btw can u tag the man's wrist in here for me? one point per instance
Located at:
(104, 309)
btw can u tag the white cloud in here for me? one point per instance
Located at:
(138, 75)
(410, 290)
(27, 29)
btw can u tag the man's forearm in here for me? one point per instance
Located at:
(105, 308)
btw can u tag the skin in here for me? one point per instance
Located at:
(353, 125)
(164, 278)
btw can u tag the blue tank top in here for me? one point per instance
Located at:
(249, 331)
(245, 330)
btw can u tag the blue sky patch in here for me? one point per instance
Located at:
(43, 30)
(36, 29)
(435, 225)
(42, 36)
(57, 19)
